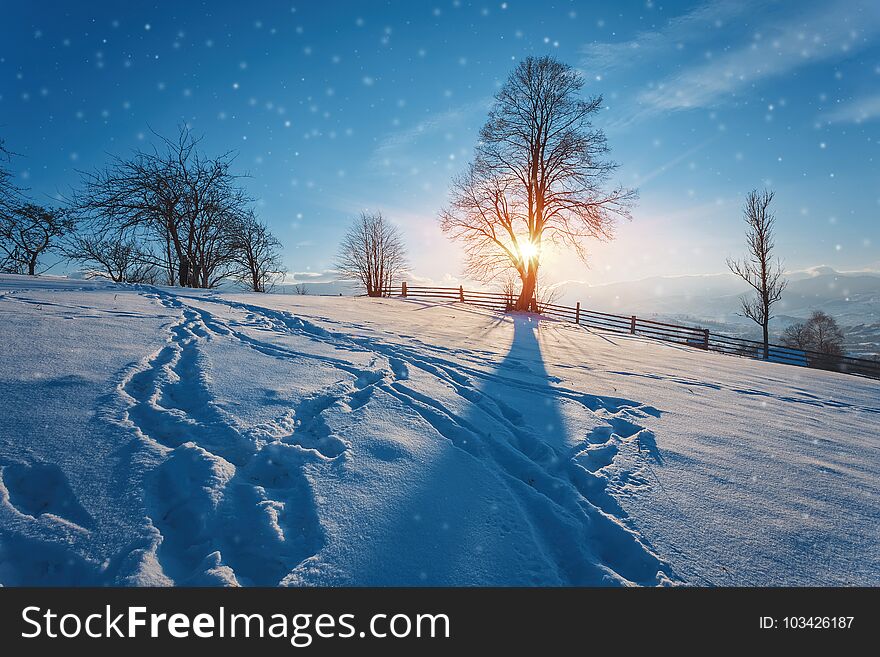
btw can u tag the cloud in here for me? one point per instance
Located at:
(643, 180)
(697, 25)
(326, 276)
(397, 150)
(778, 45)
(858, 110)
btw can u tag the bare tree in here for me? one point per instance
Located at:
(820, 333)
(509, 288)
(121, 258)
(827, 335)
(546, 295)
(11, 199)
(758, 268)
(300, 289)
(257, 255)
(188, 204)
(372, 253)
(797, 336)
(539, 176)
(27, 233)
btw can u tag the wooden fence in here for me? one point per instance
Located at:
(690, 336)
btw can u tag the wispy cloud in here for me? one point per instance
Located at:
(398, 151)
(859, 110)
(643, 180)
(326, 276)
(696, 26)
(776, 46)
(833, 31)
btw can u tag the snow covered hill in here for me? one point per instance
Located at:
(852, 298)
(154, 436)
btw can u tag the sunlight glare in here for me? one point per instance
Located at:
(528, 250)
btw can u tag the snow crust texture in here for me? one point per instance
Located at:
(152, 436)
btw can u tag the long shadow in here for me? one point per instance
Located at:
(553, 465)
(541, 469)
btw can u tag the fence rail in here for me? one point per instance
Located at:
(690, 336)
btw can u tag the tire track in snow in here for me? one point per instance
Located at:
(564, 494)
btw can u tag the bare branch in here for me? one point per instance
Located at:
(539, 176)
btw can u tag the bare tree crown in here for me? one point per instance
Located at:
(186, 211)
(372, 253)
(539, 175)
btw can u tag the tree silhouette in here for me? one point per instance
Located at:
(538, 176)
(371, 253)
(757, 268)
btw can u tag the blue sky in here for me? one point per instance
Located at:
(337, 106)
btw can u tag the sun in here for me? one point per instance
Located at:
(528, 250)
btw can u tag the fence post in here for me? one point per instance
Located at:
(632, 325)
(403, 289)
(706, 339)
(461, 293)
(577, 313)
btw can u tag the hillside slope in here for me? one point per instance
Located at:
(153, 436)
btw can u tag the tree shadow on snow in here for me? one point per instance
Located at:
(525, 483)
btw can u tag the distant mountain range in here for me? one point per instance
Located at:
(853, 298)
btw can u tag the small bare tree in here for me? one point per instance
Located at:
(827, 336)
(27, 233)
(300, 289)
(539, 176)
(257, 255)
(797, 336)
(758, 268)
(372, 253)
(121, 258)
(820, 333)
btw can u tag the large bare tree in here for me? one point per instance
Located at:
(758, 268)
(372, 253)
(539, 176)
(185, 205)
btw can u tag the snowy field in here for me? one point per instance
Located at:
(154, 437)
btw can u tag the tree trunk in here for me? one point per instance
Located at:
(766, 328)
(32, 268)
(527, 295)
(183, 271)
